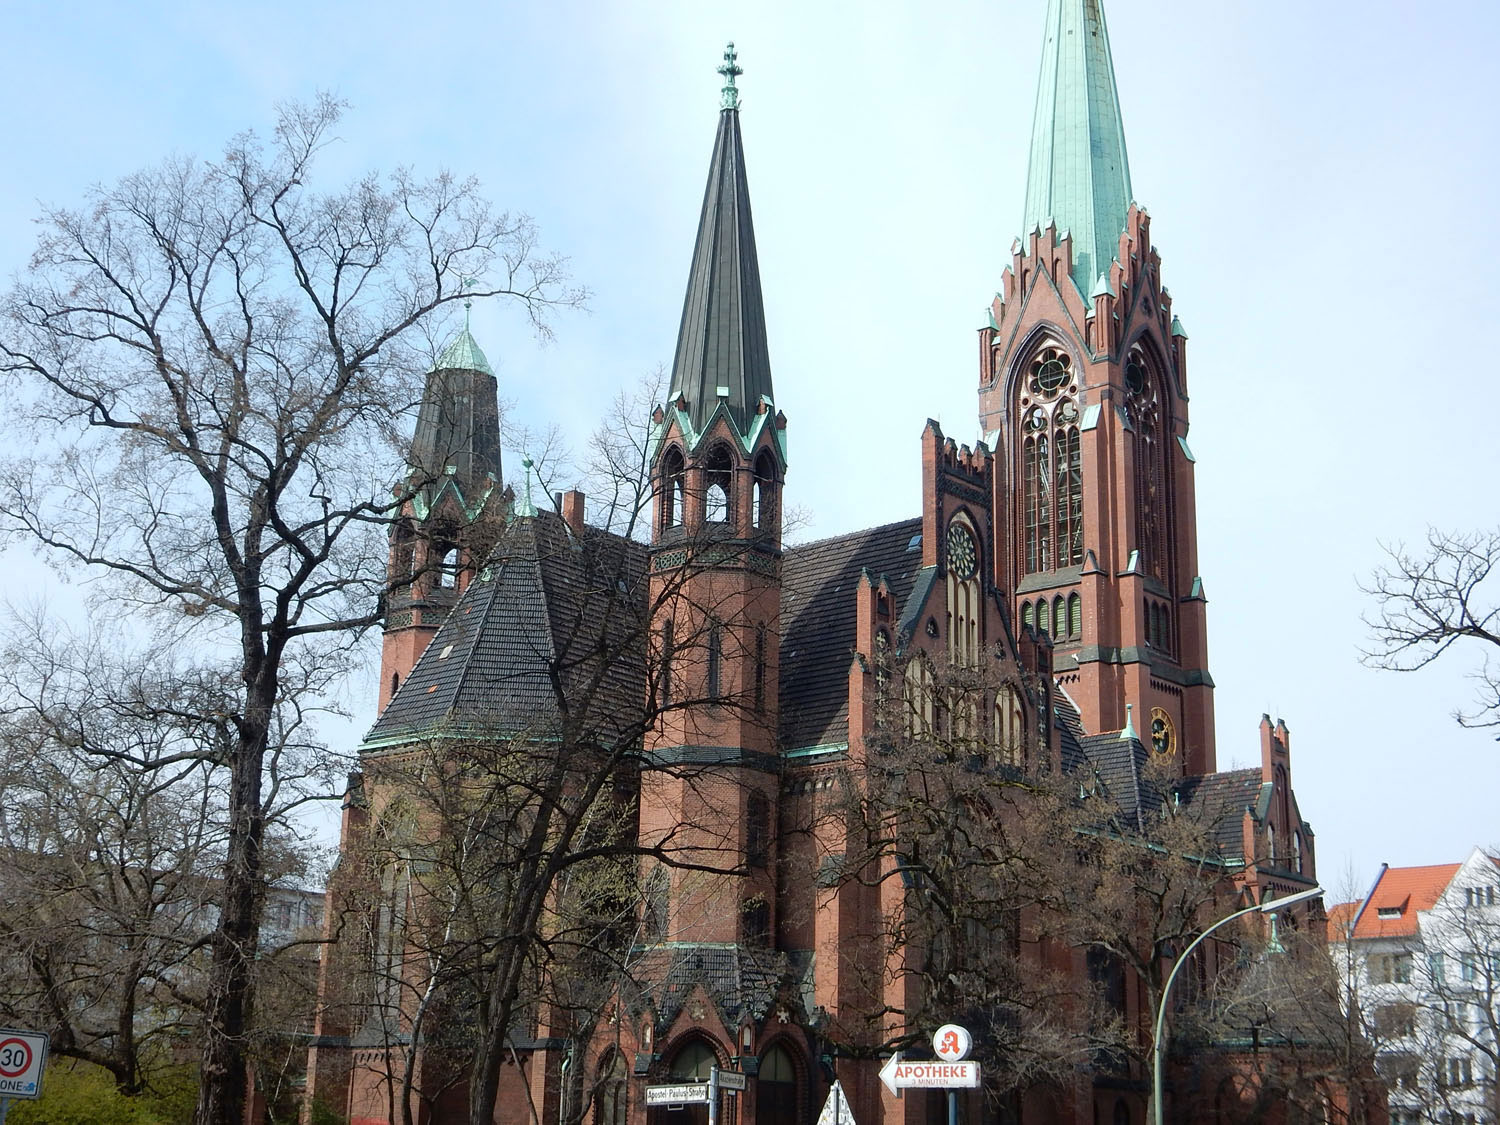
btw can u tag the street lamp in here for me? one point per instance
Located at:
(1159, 1050)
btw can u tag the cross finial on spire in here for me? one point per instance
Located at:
(730, 70)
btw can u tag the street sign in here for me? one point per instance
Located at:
(22, 1055)
(836, 1109)
(731, 1080)
(901, 1074)
(951, 1042)
(687, 1093)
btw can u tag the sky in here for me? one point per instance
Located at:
(1320, 179)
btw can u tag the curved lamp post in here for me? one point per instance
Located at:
(1159, 1050)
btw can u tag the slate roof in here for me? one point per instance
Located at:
(544, 600)
(1119, 762)
(818, 581)
(740, 981)
(1223, 798)
(722, 339)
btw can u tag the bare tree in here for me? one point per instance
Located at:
(223, 355)
(1432, 600)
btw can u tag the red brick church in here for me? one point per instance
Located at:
(1064, 542)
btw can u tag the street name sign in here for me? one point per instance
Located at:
(22, 1055)
(687, 1093)
(902, 1074)
(731, 1080)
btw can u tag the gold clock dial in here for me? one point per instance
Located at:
(1163, 734)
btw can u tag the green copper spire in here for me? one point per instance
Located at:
(722, 356)
(1079, 177)
(730, 97)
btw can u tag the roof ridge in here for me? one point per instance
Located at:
(852, 534)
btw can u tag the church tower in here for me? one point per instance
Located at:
(719, 463)
(1083, 391)
(453, 481)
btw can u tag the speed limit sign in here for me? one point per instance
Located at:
(22, 1054)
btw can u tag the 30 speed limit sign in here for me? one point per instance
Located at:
(22, 1054)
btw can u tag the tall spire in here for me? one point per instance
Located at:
(1079, 176)
(721, 346)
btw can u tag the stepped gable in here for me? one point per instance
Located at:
(544, 598)
(818, 583)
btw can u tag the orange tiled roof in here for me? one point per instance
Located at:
(1403, 889)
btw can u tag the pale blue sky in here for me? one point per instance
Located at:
(1320, 176)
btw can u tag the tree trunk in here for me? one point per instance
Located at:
(223, 1082)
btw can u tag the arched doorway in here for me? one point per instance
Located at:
(691, 1063)
(776, 1089)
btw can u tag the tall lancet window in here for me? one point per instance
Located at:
(1051, 464)
(1145, 405)
(671, 502)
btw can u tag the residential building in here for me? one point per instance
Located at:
(1421, 970)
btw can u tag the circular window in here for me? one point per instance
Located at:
(1135, 375)
(1051, 371)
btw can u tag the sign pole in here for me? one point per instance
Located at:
(713, 1096)
(952, 1108)
(4, 1109)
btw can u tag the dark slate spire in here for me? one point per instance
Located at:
(457, 440)
(721, 347)
(1079, 177)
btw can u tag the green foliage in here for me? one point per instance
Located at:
(322, 1115)
(78, 1094)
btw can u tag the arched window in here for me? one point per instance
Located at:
(1297, 852)
(757, 830)
(1059, 617)
(1075, 615)
(1026, 617)
(713, 681)
(1270, 841)
(718, 473)
(1043, 617)
(672, 489)
(1010, 726)
(919, 696)
(1145, 406)
(446, 577)
(611, 1095)
(693, 1062)
(1051, 469)
(395, 682)
(760, 669)
(964, 605)
(755, 921)
(776, 1089)
(668, 651)
(654, 908)
(764, 516)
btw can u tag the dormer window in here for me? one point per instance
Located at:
(1389, 912)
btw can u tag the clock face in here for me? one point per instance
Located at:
(963, 559)
(1163, 736)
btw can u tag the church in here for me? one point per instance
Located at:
(745, 677)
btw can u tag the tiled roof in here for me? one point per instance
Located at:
(1401, 892)
(818, 581)
(543, 601)
(1069, 722)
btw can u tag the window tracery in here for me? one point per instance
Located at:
(964, 604)
(1145, 409)
(1051, 464)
